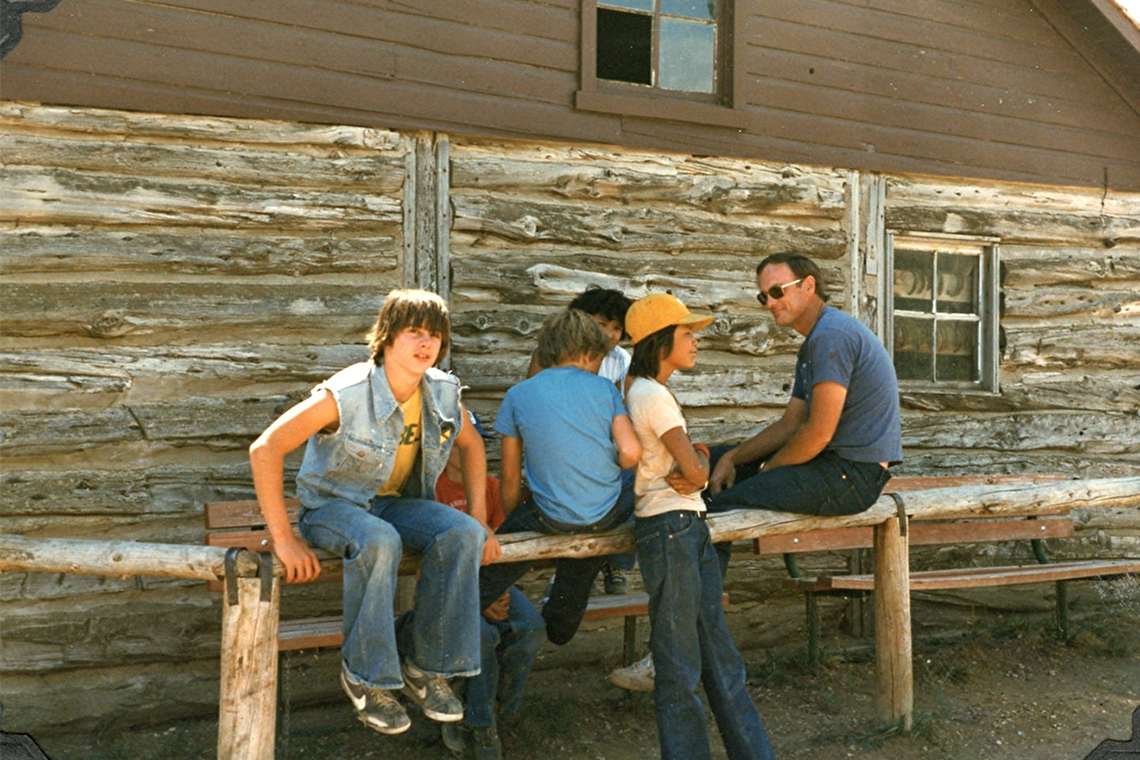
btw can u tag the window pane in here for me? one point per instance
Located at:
(687, 55)
(914, 280)
(913, 348)
(957, 284)
(701, 9)
(624, 46)
(957, 351)
(636, 5)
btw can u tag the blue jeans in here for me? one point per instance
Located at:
(691, 644)
(826, 485)
(441, 634)
(573, 578)
(508, 651)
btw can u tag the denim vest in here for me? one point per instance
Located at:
(351, 463)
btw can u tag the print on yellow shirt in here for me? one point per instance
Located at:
(409, 447)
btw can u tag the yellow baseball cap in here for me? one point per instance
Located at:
(659, 310)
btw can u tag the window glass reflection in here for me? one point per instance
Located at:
(635, 5)
(957, 284)
(914, 340)
(914, 280)
(699, 9)
(957, 352)
(687, 55)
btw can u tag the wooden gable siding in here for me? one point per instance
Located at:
(960, 87)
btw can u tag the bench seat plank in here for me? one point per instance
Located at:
(977, 577)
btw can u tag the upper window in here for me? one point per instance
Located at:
(668, 59)
(669, 44)
(943, 308)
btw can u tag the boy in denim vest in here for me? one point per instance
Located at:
(378, 436)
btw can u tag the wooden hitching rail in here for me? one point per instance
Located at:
(250, 611)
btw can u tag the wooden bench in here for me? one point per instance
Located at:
(240, 524)
(1036, 528)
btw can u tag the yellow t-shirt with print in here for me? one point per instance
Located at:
(409, 447)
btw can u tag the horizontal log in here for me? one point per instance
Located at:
(1080, 344)
(1068, 390)
(309, 168)
(722, 186)
(1091, 432)
(958, 461)
(1029, 266)
(193, 312)
(984, 194)
(63, 196)
(482, 221)
(1015, 224)
(1051, 302)
(165, 254)
(118, 558)
(242, 133)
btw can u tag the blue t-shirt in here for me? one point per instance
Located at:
(564, 416)
(841, 349)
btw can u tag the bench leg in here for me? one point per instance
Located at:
(811, 609)
(247, 718)
(894, 668)
(629, 645)
(1063, 610)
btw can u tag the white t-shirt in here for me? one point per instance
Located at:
(615, 365)
(654, 411)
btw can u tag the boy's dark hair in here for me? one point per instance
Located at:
(568, 335)
(409, 308)
(604, 302)
(650, 350)
(801, 267)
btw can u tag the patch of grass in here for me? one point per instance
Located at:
(874, 736)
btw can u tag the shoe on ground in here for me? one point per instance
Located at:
(636, 677)
(613, 580)
(485, 742)
(376, 708)
(432, 694)
(456, 737)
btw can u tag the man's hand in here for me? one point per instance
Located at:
(497, 610)
(299, 559)
(724, 474)
(491, 548)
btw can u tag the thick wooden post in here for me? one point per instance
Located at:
(894, 674)
(247, 719)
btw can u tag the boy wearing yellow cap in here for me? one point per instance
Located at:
(689, 638)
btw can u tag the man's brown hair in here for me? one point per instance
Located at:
(569, 335)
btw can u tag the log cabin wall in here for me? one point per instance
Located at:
(173, 283)
(170, 285)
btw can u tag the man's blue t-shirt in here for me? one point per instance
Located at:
(564, 416)
(841, 349)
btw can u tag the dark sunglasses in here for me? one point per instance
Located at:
(776, 292)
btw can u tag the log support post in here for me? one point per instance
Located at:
(247, 719)
(894, 670)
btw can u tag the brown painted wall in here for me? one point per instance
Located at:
(953, 87)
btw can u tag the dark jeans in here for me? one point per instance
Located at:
(826, 485)
(573, 578)
(691, 644)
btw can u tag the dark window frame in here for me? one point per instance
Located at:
(628, 99)
(988, 314)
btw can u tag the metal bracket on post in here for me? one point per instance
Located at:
(902, 512)
(230, 565)
(265, 572)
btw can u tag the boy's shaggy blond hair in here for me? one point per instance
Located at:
(568, 336)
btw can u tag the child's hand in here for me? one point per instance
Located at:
(497, 610)
(680, 483)
(300, 561)
(491, 548)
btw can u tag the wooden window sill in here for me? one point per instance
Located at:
(671, 109)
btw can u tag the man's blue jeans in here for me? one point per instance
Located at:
(573, 578)
(441, 634)
(826, 485)
(508, 651)
(691, 644)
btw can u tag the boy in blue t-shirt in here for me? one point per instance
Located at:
(569, 431)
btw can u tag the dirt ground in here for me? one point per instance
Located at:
(989, 684)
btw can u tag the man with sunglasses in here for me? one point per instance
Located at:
(829, 452)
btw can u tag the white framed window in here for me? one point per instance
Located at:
(942, 308)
